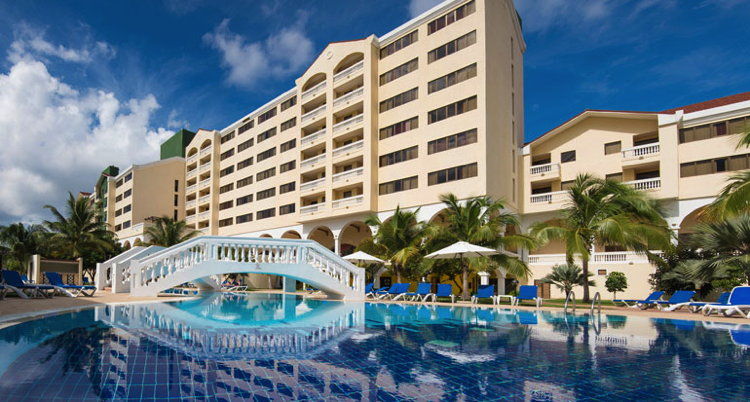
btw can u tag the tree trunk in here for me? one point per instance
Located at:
(585, 269)
(398, 273)
(465, 282)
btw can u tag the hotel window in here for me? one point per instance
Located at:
(226, 188)
(453, 78)
(265, 174)
(453, 16)
(226, 222)
(266, 135)
(126, 224)
(118, 212)
(399, 44)
(245, 218)
(176, 185)
(246, 126)
(452, 141)
(718, 165)
(244, 199)
(286, 209)
(118, 228)
(288, 145)
(226, 205)
(267, 213)
(454, 109)
(245, 182)
(286, 188)
(706, 131)
(267, 115)
(243, 164)
(612, 148)
(398, 100)
(452, 47)
(398, 156)
(226, 154)
(452, 174)
(266, 154)
(127, 193)
(398, 128)
(128, 177)
(268, 193)
(399, 71)
(289, 124)
(226, 171)
(288, 103)
(119, 198)
(245, 145)
(227, 137)
(567, 156)
(118, 184)
(176, 200)
(285, 167)
(566, 185)
(396, 186)
(174, 215)
(614, 177)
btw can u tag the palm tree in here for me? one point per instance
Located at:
(79, 232)
(729, 243)
(565, 277)
(398, 239)
(606, 212)
(734, 198)
(480, 221)
(20, 242)
(167, 232)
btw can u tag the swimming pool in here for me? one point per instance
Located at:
(273, 347)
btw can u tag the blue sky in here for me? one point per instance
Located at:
(83, 85)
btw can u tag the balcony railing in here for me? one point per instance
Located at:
(547, 168)
(312, 185)
(349, 174)
(312, 91)
(348, 148)
(190, 204)
(349, 96)
(206, 150)
(312, 161)
(204, 183)
(596, 257)
(204, 199)
(311, 209)
(192, 188)
(192, 158)
(192, 173)
(549, 198)
(350, 70)
(646, 184)
(204, 168)
(640, 151)
(204, 215)
(346, 202)
(341, 126)
(191, 219)
(313, 113)
(310, 138)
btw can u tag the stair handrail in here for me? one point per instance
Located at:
(598, 301)
(570, 296)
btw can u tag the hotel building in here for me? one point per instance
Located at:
(432, 107)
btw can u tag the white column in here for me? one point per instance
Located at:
(289, 285)
(337, 244)
(99, 276)
(36, 269)
(484, 278)
(500, 281)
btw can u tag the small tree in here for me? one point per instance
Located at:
(567, 276)
(616, 282)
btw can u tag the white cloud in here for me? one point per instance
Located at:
(281, 54)
(30, 43)
(57, 139)
(417, 7)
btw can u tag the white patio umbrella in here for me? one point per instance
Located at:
(461, 250)
(360, 257)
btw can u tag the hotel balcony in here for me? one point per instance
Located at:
(641, 154)
(204, 183)
(191, 188)
(349, 175)
(313, 114)
(190, 204)
(349, 73)
(646, 184)
(313, 162)
(547, 171)
(192, 158)
(349, 149)
(349, 97)
(191, 219)
(204, 200)
(206, 151)
(348, 124)
(313, 92)
(204, 168)
(312, 139)
(203, 216)
(554, 197)
(311, 209)
(348, 202)
(609, 257)
(312, 185)
(191, 173)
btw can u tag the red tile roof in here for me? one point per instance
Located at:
(727, 100)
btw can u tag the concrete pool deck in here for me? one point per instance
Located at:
(14, 309)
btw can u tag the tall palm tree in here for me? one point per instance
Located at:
(565, 277)
(167, 232)
(77, 232)
(480, 221)
(398, 239)
(729, 242)
(734, 198)
(20, 242)
(604, 212)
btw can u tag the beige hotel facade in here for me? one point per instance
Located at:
(436, 106)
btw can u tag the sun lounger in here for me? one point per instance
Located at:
(739, 303)
(396, 291)
(375, 292)
(14, 282)
(55, 280)
(696, 307)
(528, 292)
(634, 303)
(443, 290)
(679, 299)
(484, 292)
(423, 290)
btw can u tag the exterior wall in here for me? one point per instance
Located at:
(202, 182)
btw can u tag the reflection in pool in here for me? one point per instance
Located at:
(272, 347)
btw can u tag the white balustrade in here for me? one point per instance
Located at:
(313, 91)
(312, 161)
(313, 113)
(204, 168)
(312, 185)
(545, 169)
(646, 184)
(348, 97)
(310, 138)
(192, 158)
(191, 188)
(641, 150)
(603, 257)
(310, 209)
(191, 173)
(190, 204)
(207, 150)
(549, 198)
(348, 148)
(204, 199)
(191, 219)
(204, 183)
(204, 215)
(348, 174)
(348, 202)
(348, 71)
(341, 126)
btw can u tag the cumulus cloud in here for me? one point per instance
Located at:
(417, 7)
(31, 43)
(56, 138)
(248, 63)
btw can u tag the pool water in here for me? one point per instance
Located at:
(274, 347)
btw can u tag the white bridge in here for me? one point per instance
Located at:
(203, 259)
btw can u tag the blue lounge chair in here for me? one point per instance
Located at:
(55, 280)
(377, 292)
(696, 307)
(484, 292)
(14, 282)
(528, 292)
(634, 303)
(423, 290)
(739, 303)
(2, 292)
(443, 290)
(26, 280)
(396, 291)
(679, 299)
(368, 288)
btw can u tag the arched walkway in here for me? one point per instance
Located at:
(324, 236)
(688, 224)
(266, 236)
(348, 61)
(352, 235)
(291, 234)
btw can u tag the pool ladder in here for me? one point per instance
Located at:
(596, 302)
